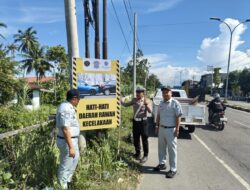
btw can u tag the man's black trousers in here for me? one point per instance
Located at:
(140, 129)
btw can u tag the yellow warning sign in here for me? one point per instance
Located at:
(98, 82)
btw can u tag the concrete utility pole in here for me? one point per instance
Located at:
(134, 57)
(72, 36)
(73, 49)
(86, 27)
(97, 38)
(104, 43)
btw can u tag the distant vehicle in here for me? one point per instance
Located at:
(108, 87)
(219, 120)
(84, 88)
(193, 113)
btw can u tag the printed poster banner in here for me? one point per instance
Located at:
(98, 82)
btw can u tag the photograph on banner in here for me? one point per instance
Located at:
(92, 85)
(98, 83)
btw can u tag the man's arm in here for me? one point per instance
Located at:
(126, 104)
(157, 122)
(178, 121)
(148, 108)
(67, 136)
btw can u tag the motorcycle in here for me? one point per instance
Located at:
(219, 120)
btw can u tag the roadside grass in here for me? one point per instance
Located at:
(107, 163)
(29, 161)
(15, 117)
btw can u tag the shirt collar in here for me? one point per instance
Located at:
(168, 101)
(71, 106)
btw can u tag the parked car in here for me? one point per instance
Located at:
(84, 88)
(193, 113)
(108, 87)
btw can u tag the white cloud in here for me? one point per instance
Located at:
(214, 51)
(9, 31)
(33, 15)
(163, 5)
(41, 15)
(169, 74)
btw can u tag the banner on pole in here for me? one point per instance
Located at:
(98, 82)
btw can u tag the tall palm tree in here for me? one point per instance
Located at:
(2, 25)
(11, 48)
(26, 39)
(36, 60)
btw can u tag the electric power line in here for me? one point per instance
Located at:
(120, 26)
(129, 19)
(125, 45)
(173, 24)
(130, 6)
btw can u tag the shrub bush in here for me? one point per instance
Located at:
(30, 160)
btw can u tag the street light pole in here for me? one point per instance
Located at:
(230, 47)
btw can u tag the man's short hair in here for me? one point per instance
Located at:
(73, 93)
(165, 88)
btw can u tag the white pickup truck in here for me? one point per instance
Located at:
(193, 113)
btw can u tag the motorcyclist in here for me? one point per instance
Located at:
(215, 106)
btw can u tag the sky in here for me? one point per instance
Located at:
(176, 36)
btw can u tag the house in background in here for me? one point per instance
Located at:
(34, 94)
(206, 80)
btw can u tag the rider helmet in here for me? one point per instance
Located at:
(217, 95)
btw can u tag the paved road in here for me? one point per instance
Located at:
(207, 159)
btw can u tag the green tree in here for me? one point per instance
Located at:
(216, 77)
(36, 60)
(142, 74)
(233, 82)
(8, 84)
(153, 82)
(11, 48)
(2, 25)
(58, 56)
(26, 40)
(244, 79)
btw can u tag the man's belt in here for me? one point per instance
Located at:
(163, 126)
(64, 138)
(141, 119)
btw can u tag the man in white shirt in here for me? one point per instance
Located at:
(67, 137)
(168, 123)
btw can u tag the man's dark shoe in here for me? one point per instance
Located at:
(69, 184)
(170, 174)
(144, 159)
(137, 156)
(160, 167)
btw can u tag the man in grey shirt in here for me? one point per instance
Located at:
(67, 138)
(167, 127)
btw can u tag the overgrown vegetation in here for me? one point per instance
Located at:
(143, 78)
(30, 160)
(12, 118)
